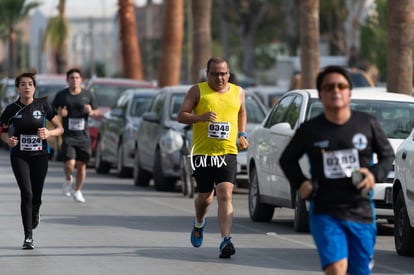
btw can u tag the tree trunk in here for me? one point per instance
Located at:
(61, 55)
(172, 43)
(400, 46)
(12, 53)
(309, 42)
(201, 11)
(131, 55)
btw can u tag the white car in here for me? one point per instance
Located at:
(403, 197)
(268, 186)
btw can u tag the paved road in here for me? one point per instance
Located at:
(122, 229)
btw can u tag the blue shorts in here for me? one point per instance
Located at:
(341, 239)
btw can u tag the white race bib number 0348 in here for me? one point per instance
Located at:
(219, 130)
(76, 124)
(340, 163)
(30, 143)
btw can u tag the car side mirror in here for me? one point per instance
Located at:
(282, 128)
(116, 112)
(151, 117)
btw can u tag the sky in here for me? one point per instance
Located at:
(84, 8)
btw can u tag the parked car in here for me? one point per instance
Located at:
(116, 137)
(268, 95)
(159, 140)
(268, 186)
(8, 93)
(48, 86)
(403, 197)
(107, 91)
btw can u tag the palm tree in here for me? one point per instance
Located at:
(172, 43)
(57, 32)
(132, 65)
(309, 42)
(400, 46)
(201, 13)
(11, 13)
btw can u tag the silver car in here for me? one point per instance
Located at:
(159, 140)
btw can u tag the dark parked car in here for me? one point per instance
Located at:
(116, 137)
(107, 91)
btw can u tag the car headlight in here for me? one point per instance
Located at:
(171, 141)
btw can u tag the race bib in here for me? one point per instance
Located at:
(76, 124)
(219, 130)
(30, 143)
(340, 163)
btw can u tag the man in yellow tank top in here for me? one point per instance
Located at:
(216, 109)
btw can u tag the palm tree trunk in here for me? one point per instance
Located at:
(12, 53)
(131, 54)
(201, 11)
(172, 43)
(309, 42)
(400, 46)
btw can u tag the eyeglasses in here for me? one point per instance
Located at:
(216, 74)
(332, 86)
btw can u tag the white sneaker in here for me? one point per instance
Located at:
(77, 196)
(67, 187)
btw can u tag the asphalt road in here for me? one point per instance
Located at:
(123, 229)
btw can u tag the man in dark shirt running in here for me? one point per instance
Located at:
(75, 105)
(340, 144)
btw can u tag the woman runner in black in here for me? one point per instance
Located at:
(24, 130)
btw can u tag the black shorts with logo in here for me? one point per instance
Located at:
(211, 170)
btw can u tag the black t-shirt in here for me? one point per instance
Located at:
(76, 123)
(23, 122)
(333, 151)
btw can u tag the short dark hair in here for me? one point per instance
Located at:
(73, 70)
(332, 69)
(28, 75)
(216, 60)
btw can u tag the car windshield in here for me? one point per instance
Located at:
(255, 114)
(396, 118)
(48, 91)
(176, 101)
(140, 105)
(106, 94)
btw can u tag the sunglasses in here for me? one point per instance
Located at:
(332, 86)
(216, 74)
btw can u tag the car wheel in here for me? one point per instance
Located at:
(301, 221)
(188, 182)
(101, 166)
(403, 232)
(121, 170)
(258, 211)
(161, 183)
(141, 176)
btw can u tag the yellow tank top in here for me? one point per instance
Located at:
(219, 137)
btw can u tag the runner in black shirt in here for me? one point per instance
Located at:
(24, 130)
(75, 105)
(340, 144)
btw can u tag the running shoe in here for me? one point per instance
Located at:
(197, 235)
(226, 248)
(28, 244)
(67, 187)
(35, 219)
(77, 196)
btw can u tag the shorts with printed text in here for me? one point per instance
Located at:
(211, 170)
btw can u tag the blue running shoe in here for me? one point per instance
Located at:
(226, 248)
(197, 235)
